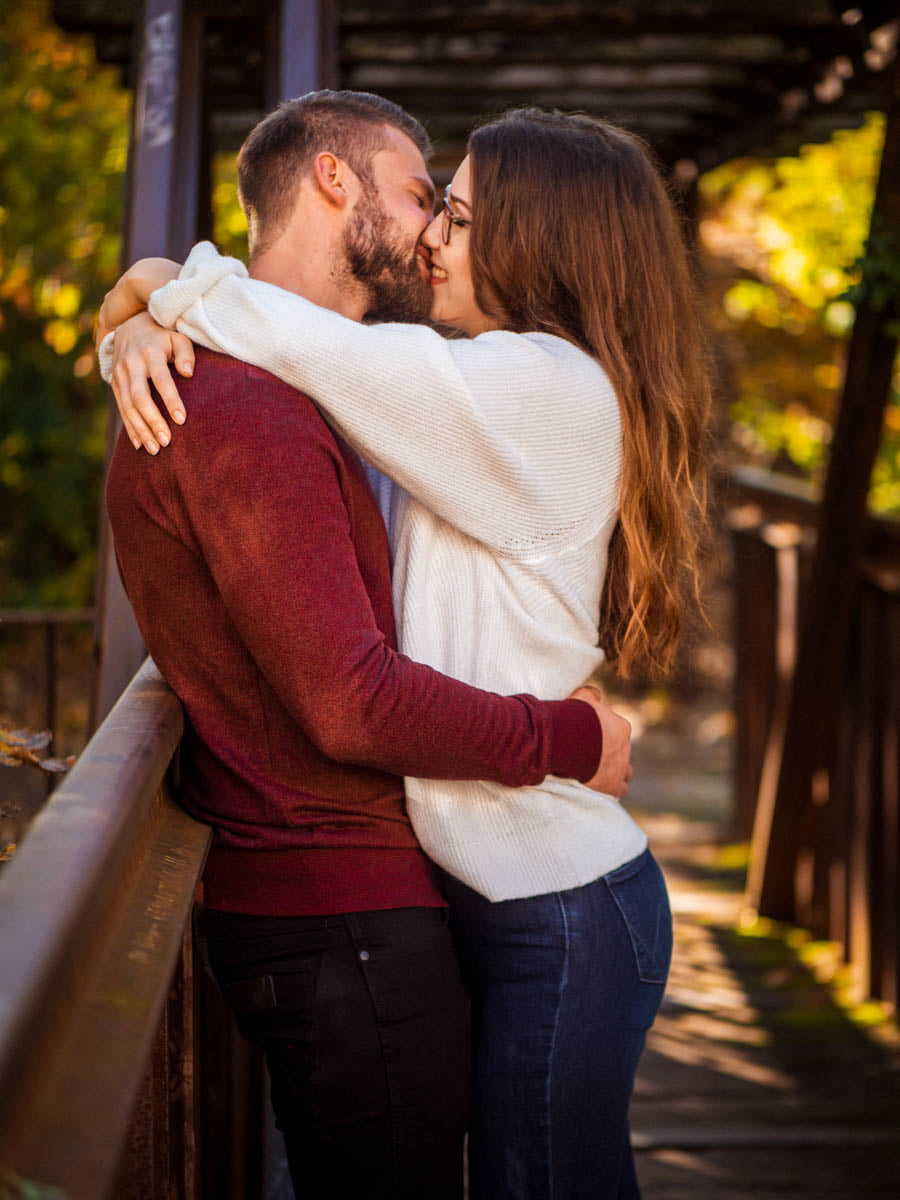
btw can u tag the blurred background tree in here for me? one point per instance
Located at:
(782, 242)
(63, 144)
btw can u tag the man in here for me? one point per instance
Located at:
(257, 564)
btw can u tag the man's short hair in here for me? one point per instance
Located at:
(282, 146)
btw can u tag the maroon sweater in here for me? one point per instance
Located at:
(256, 560)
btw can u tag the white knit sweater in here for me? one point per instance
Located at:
(508, 450)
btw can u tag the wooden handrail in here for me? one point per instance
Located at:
(47, 616)
(92, 916)
(839, 867)
(769, 498)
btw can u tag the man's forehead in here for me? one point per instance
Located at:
(401, 160)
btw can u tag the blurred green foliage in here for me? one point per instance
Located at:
(63, 145)
(784, 242)
(229, 222)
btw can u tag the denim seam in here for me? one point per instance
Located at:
(563, 984)
(396, 1146)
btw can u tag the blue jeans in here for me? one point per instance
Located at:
(565, 987)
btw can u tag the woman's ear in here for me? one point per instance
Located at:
(333, 178)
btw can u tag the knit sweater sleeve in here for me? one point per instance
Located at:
(494, 434)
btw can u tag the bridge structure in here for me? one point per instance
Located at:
(817, 580)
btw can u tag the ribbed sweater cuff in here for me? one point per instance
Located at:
(577, 740)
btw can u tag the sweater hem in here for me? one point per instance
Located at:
(317, 882)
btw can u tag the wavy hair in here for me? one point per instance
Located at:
(577, 236)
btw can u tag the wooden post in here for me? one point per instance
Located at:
(809, 729)
(162, 215)
(307, 47)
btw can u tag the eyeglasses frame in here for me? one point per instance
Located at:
(450, 218)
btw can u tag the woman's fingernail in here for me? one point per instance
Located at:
(153, 448)
(136, 442)
(187, 369)
(178, 417)
(164, 439)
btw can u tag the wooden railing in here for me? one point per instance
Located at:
(846, 871)
(48, 623)
(105, 1089)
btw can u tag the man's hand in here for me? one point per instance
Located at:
(614, 772)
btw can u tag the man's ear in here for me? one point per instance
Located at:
(335, 181)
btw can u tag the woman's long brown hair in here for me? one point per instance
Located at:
(575, 235)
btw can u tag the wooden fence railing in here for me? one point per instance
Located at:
(106, 1091)
(47, 623)
(846, 871)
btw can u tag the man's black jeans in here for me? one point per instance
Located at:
(365, 1024)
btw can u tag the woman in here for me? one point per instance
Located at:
(551, 462)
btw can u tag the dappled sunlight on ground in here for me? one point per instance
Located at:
(757, 1082)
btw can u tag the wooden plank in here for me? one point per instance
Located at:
(839, 818)
(787, 590)
(619, 19)
(862, 805)
(886, 985)
(490, 47)
(541, 76)
(755, 604)
(717, 1138)
(46, 616)
(815, 694)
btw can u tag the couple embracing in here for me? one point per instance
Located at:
(373, 560)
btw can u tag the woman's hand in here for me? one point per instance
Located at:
(613, 775)
(131, 294)
(142, 351)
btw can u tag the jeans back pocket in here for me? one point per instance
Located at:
(639, 890)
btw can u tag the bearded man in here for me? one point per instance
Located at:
(257, 563)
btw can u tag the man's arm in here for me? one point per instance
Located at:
(267, 507)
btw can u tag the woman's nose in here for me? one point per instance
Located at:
(431, 236)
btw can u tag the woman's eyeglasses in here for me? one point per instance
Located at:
(450, 218)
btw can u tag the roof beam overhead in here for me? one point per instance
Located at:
(493, 46)
(628, 18)
(743, 76)
(503, 77)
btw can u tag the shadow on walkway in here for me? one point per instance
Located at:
(755, 1082)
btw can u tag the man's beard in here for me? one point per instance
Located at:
(391, 275)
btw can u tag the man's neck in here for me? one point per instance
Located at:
(308, 268)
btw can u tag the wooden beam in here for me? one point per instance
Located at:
(165, 175)
(809, 729)
(491, 47)
(677, 17)
(554, 76)
(307, 47)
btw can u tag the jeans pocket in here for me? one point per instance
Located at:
(639, 891)
(276, 1006)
